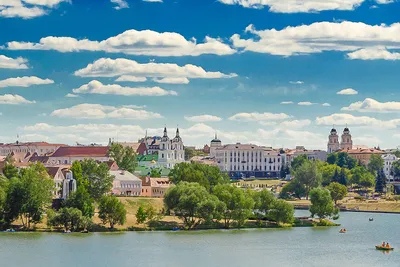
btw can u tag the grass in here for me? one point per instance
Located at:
(260, 183)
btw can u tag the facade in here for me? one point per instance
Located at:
(171, 151)
(363, 155)
(139, 148)
(64, 182)
(152, 144)
(67, 155)
(247, 160)
(346, 142)
(311, 154)
(126, 184)
(155, 187)
(206, 149)
(388, 160)
(40, 148)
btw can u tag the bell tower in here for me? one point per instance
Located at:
(333, 142)
(346, 142)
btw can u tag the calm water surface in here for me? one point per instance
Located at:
(270, 247)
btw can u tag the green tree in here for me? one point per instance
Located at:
(81, 200)
(308, 175)
(343, 177)
(77, 173)
(345, 161)
(3, 198)
(293, 189)
(264, 201)
(396, 169)
(205, 175)
(112, 211)
(28, 196)
(155, 173)
(397, 153)
(337, 190)
(327, 171)
(380, 182)
(68, 218)
(367, 180)
(299, 161)
(285, 170)
(282, 212)
(141, 215)
(336, 176)
(10, 171)
(97, 177)
(375, 164)
(322, 204)
(189, 153)
(332, 158)
(124, 156)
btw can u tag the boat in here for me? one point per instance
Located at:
(10, 231)
(371, 219)
(342, 231)
(383, 248)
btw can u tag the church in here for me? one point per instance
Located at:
(346, 143)
(171, 151)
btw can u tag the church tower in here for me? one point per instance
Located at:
(333, 143)
(165, 153)
(346, 142)
(215, 143)
(177, 146)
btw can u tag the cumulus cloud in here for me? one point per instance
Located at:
(131, 78)
(96, 87)
(27, 9)
(132, 42)
(295, 124)
(359, 40)
(178, 80)
(203, 118)
(97, 111)
(296, 82)
(9, 99)
(372, 105)
(343, 119)
(259, 116)
(287, 102)
(120, 4)
(25, 81)
(326, 105)
(71, 95)
(107, 67)
(305, 103)
(11, 63)
(347, 91)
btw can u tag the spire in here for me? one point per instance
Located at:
(145, 135)
(177, 131)
(216, 135)
(165, 131)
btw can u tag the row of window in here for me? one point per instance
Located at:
(252, 168)
(270, 160)
(130, 186)
(177, 156)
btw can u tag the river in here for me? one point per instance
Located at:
(260, 247)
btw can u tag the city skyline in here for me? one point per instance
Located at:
(273, 75)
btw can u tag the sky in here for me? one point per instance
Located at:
(277, 73)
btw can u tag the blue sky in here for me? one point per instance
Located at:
(276, 73)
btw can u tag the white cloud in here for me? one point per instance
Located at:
(268, 123)
(107, 67)
(97, 111)
(295, 124)
(10, 63)
(326, 105)
(132, 42)
(369, 140)
(19, 9)
(153, 1)
(120, 4)
(287, 102)
(203, 118)
(343, 119)
(347, 91)
(25, 81)
(96, 87)
(296, 82)
(294, 6)
(130, 78)
(8, 99)
(47, 3)
(259, 116)
(318, 37)
(305, 103)
(71, 95)
(371, 105)
(172, 80)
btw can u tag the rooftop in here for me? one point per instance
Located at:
(81, 151)
(124, 176)
(30, 144)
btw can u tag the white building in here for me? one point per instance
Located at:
(388, 160)
(246, 160)
(126, 184)
(171, 151)
(311, 154)
(346, 142)
(40, 148)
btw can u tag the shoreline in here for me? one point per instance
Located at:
(302, 207)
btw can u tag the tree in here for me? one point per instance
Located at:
(308, 175)
(337, 190)
(10, 171)
(396, 169)
(264, 201)
(293, 188)
(345, 161)
(77, 172)
(205, 175)
(69, 218)
(28, 196)
(124, 156)
(332, 158)
(112, 211)
(285, 170)
(380, 182)
(343, 177)
(3, 197)
(336, 176)
(141, 215)
(189, 153)
(97, 177)
(397, 153)
(282, 212)
(188, 201)
(298, 161)
(327, 171)
(367, 180)
(322, 204)
(155, 173)
(375, 164)
(81, 200)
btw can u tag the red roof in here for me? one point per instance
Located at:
(81, 151)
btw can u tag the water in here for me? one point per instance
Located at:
(261, 247)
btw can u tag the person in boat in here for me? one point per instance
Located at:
(387, 245)
(383, 244)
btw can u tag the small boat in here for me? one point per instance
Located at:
(175, 229)
(342, 231)
(67, 232)
(383, 248)
(371, 219)
(10, 231)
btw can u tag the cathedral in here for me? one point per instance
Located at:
(346, 143)
(171, 151)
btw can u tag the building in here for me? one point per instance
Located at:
(126, 184)
(40, 148)
(149, 160)
(346, 142)
(388, 160)
(69, 154)
(171, 151)
(63, 179)
(363, 155)
(155, 187)
(246, 160)
(139, 148)
(206, 149)
(152, 144)
(311, 154)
